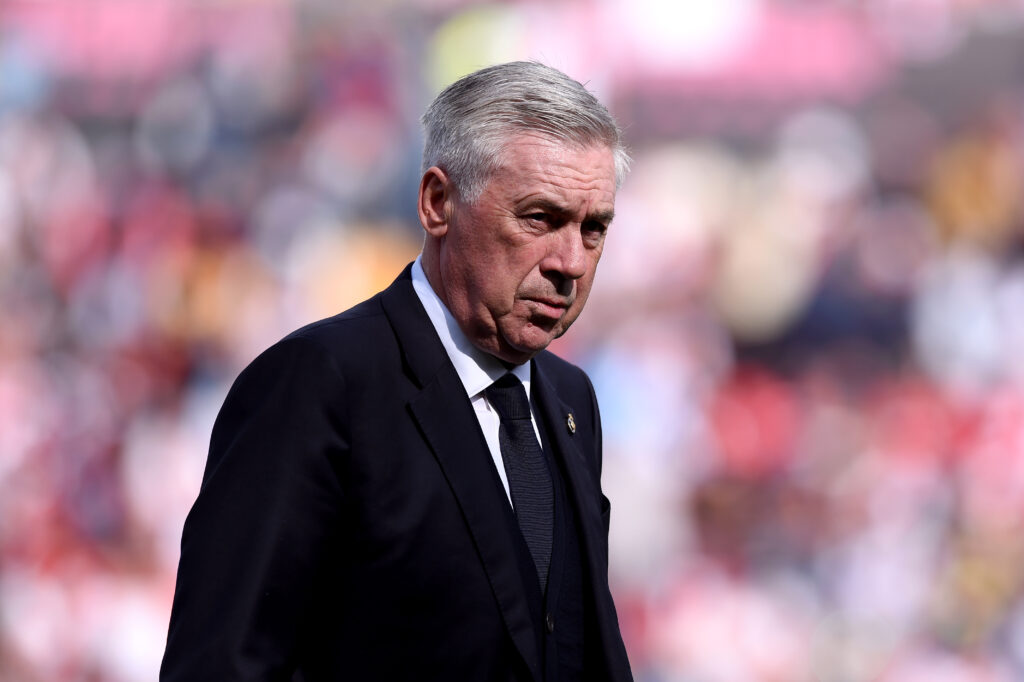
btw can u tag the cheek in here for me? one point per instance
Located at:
(583, 286)
(521, 275)
(498, 287)
(584, 283)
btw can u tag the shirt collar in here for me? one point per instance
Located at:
(476, 369)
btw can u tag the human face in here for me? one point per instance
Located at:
(517, 264)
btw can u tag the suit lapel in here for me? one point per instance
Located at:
(452, 431)
(585, 495)
(555, 413)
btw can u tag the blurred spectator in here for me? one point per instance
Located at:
(814, 447)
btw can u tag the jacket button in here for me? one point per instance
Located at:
(549, 623)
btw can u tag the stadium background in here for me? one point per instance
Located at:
(806, 333)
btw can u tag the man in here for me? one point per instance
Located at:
(381, 499)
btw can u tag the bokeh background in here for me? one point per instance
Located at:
(807, 333)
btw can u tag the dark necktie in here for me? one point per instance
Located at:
(529, 480)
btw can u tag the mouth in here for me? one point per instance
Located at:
(546, 307)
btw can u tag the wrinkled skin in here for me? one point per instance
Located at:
(515, 266)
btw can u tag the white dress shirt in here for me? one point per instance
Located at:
(476, 369)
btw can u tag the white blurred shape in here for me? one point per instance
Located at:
(884, 578)
(697, 36)
(49, 163)
(649, 379)
(669, 215)
(767, 266)
(955, 323)
(711, 627)
(824, 153)
(1009, 305)
(161, 469)
(10, 218)
(126, 623)
(37, 621)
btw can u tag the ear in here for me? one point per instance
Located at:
(436, 196)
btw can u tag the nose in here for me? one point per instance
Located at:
(566, 256)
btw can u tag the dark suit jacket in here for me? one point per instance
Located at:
(351, 524)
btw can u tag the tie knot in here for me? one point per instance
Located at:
(508, 397)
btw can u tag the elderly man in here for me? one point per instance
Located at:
(411, 490)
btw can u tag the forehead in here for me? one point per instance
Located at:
(534, 165)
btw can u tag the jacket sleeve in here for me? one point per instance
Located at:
(258, 536)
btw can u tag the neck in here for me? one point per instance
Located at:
(431, 261)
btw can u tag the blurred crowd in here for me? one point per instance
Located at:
(804, 334)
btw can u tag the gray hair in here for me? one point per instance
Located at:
(467, 125)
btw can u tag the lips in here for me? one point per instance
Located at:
(554, 308)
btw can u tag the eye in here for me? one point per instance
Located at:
(594, 231)
(541, 221)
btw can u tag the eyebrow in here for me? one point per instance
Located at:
(549, 206)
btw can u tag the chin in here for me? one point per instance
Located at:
(536, 346)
